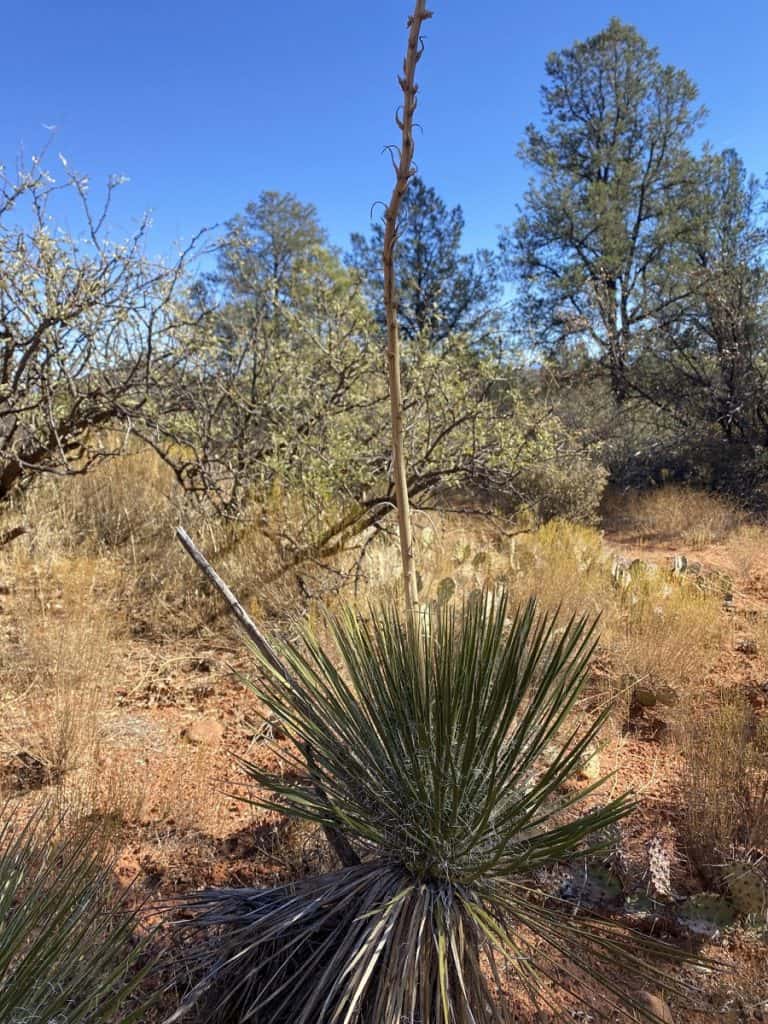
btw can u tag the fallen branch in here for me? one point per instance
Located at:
(12, 534)
(336, 839)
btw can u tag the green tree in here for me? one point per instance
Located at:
(269, 250)
(600, 249)
(282, 388)
(706, 366)
(273, 378)
(442, 291)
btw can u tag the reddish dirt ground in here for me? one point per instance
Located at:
(190, 828)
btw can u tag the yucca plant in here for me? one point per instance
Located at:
(68, 953)
(440, 748)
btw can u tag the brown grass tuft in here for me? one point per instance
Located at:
(673, 514)
(725, 782)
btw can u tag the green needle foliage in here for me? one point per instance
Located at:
(68, 954)
(440, 749)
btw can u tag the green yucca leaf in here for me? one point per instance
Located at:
(440, 749)
(430, 746)
(68, 952)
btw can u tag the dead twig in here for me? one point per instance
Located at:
(10, 535)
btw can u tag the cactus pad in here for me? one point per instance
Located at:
(659, 869)
(707, 913)
(748, 888)
(594, 884)
(446, 588)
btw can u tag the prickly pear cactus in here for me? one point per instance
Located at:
(461, 552)
(748, 888)
(679, 565)
(594, 884)
(480, 559)
(640, 907)
(606, 848)
(446, 588)
(706, 914)
(659, 869)
(615, 859)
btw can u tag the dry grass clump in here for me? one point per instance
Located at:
(57, 672)
(669, 632)
(120, 505)
(564, 564)
(63, 654)
(748, 550)
(124, 513)
(725, 782)
(657, 629)
(674, 513)
(567, 566)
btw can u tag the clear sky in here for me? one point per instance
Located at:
(204, 104)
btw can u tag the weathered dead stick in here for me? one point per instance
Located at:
(336, 838)
(12, 534)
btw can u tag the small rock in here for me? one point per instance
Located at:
(590, 767)
(205, 732)
(127, 870)
(667, 696)
(654, 1005)
(746, 645)
(646, 697)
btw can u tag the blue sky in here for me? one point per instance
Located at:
(203, 105)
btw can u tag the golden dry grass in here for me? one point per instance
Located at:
(100, 588)
(59, 664)
(108, 539)
(674, 514)
(123, 515)
(725, 782)
(657, 627)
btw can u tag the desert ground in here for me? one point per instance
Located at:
(124, 683)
